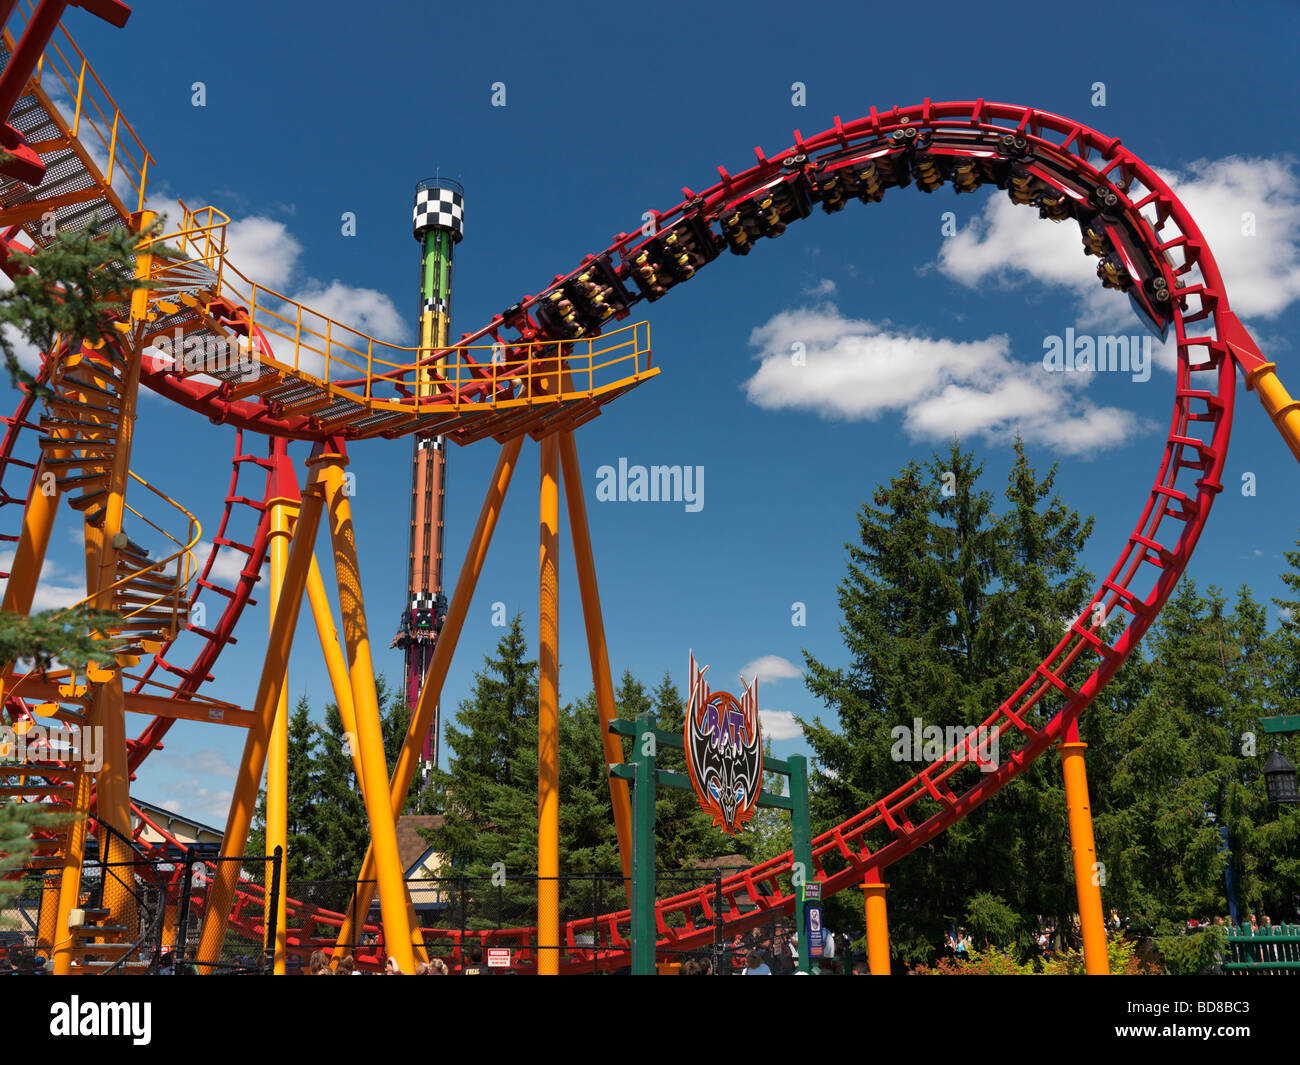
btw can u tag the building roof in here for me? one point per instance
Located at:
(166, 817)
(724, 861)
(411, 846)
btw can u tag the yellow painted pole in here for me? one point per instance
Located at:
(33, 541)
(1282, 409)
(548, 715)
(370, 736)
(597, 649)
(221, 892)
(74, 850)
(1087, 879)
(337, 668)
(422, 718)
(283, 512)
(113, 787)
(877, 924)
(45, 924)
(74, 847)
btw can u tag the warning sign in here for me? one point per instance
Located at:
(498, 958)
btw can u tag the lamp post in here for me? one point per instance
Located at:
(1280, 779)
(1279, 773)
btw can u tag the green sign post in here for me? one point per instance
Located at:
(644, 775)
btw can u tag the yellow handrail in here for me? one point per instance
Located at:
(60, 74)
(187, 550)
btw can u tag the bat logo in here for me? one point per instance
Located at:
(724, 751)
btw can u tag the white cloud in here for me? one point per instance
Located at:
(210, 806)
(206, 761)
(824, 287)
(56, 588)
(858, 370)
(228, 566)
(769, 669)
(779, 725)
(27, 353)
(263, 250)
(1261, 272)
(366, 309)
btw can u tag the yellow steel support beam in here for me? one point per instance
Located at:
(620, 798)
(46, 929)
(74, 850)
(370, 737)
(548, 715)
(1282, 409)
(33, 540)
(1087, 879)
(45, 689)
(113, 787)
(283, 512)
(337, 668)
(873, 891)
(422, 718)
(29, 555)
(221, 892)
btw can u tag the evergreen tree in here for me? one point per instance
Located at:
(947, 608)
(305, 852)
(342, 828)
(493, 729)
(1157, 824)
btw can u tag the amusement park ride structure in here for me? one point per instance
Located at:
(543, 367)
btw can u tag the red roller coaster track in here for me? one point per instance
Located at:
(1148, 246)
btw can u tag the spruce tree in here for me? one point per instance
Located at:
(303, 815)
(947, 608)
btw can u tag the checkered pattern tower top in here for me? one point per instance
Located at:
(439, 202)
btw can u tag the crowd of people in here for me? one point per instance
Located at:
(319, 965)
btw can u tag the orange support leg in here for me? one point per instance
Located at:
(283, 511)
(1087, 871)
(877, 924)
(221, 892)
(337, 668)
(422, 718)
(370, 737)
(548, 717)
(620, 798)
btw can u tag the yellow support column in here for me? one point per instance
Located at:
(113, 787)
(1282, 409)
(877, 924)
(548, 717)
(383, 832)
(422, 717)
(221, 892)
(33, 540)
(337, 668)
(283, 512)
(1087, 881)
(45, 927)
(597, 650)
(74, 850)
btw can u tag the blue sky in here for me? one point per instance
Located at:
(312, 111)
